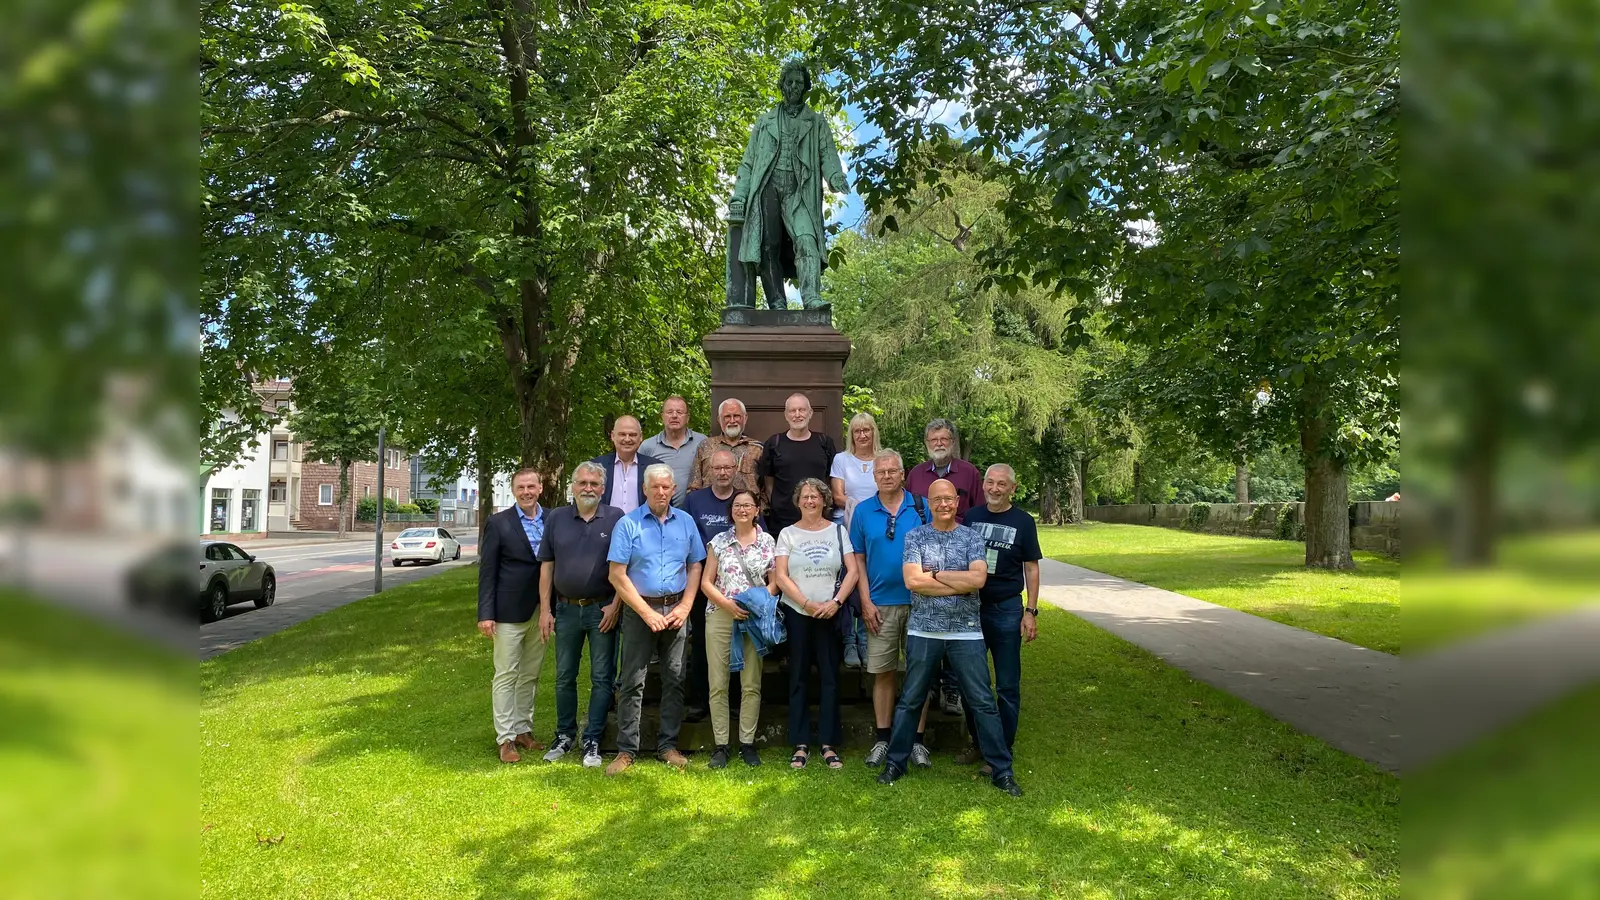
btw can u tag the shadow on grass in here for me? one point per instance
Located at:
(1138, 780)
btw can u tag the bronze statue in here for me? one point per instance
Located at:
(775, 217)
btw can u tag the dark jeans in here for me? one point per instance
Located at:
(971, 666)
(638, 643)
(1002, 635)
(574, 624)
(813, 641)
(697, 691)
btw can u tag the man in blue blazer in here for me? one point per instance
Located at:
(508, 601)
(624, 485)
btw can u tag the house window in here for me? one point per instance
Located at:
(324, 495)
(250, 510)
(366, 490)
(221, 500)
(280, 449)
(277, 492)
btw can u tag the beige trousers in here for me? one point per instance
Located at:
(518, 657)
(719, 648)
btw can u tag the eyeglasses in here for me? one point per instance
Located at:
(943, 501)
(744, 506)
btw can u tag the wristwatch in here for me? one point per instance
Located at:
(1031, 610)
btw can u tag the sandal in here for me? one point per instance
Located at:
(798, 760)
(831, 757)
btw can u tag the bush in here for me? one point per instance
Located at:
(1288, 527)
(367, 508)
(428, 506)
(1258, 516)
(1199, 514)
(410, 509)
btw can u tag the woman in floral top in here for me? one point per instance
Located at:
(737, 560)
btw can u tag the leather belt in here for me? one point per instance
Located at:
(664, 599)
(585, 601)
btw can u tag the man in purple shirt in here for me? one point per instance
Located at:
(941, 440)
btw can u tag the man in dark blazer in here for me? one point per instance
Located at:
(508, 606)
(624, 465)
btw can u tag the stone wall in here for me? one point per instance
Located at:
(1374, 524)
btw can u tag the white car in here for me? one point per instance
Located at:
(424, 545)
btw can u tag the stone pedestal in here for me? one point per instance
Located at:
(761, 356)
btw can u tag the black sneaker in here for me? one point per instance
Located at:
(890, 774)
(719, 757)
(1008, 784)
(748, 753)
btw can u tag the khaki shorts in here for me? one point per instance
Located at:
(885, 647)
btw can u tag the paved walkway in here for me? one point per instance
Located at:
(1346, 695)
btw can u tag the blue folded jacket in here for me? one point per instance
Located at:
(764, 627)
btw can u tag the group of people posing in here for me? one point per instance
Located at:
(706, 552)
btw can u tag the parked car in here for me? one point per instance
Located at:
(424, 545)
(228, 575)
(164, 580)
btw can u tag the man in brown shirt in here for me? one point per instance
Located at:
(731, 415)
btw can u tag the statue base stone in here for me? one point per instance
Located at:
(761, 356)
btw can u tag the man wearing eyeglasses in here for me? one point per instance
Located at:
(879, 538)
(945, 566)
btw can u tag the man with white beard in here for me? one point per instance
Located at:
(577, 601)
(731, 417)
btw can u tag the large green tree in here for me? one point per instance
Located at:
(565, 164)
(1223, 174)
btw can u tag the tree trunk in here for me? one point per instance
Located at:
(1241, 482)
(1075, 489)
(1138, 482)
(1472, 526)
(485, 497)
(344, 493)
(1327, 507)
(1049, 505)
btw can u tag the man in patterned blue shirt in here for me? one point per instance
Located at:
(945, 564)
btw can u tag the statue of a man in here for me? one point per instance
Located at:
(778, 197)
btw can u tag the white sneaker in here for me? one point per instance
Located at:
(920, 756)
(878, 754)
(562, 744)
(591, 755)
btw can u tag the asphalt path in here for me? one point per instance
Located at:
(313, 579)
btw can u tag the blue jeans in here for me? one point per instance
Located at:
(970, 664)
(573, 624)
(1002, 634)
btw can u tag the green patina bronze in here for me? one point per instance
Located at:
(777, 227)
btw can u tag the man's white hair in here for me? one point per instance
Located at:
(1011, 474)
(591, 467)
(657, 472)
(742, 410)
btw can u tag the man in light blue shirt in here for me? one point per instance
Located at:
(655, 561)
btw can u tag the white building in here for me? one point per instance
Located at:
(236, 497)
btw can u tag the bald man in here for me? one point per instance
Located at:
(624, 487)
(790, 457)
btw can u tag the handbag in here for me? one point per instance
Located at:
(845, 618)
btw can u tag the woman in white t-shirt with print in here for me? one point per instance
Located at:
(852, 470)
(810, 554)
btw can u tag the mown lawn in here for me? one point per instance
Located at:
(1533, 576)
(97, 760)
(362, 738)
(1262, 577)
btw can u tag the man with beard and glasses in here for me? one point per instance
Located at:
(578, 603)
(731, 418)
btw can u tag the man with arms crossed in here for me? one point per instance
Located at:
(655, 560)
(945, 566)
(508, 597)
(1013, 542)
(577, 602)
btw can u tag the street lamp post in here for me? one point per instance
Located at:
(377, 528)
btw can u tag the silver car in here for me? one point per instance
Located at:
(229, 575)
(424, 545)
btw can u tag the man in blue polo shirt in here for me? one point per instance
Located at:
(655, 567)
(879, 539)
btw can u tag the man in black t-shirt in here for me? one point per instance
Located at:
(790, 457)
(1013, 542)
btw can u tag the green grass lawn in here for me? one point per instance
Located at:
(362, 738)
(1533, 576)
(1514, 815)
(97, 760)
(1262, 577)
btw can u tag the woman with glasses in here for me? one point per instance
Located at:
(736, 560)
(812, 553)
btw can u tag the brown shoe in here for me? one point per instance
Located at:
(673, 758)
(622, 763)
(526, 741)
(969, 756)
(508, 753)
